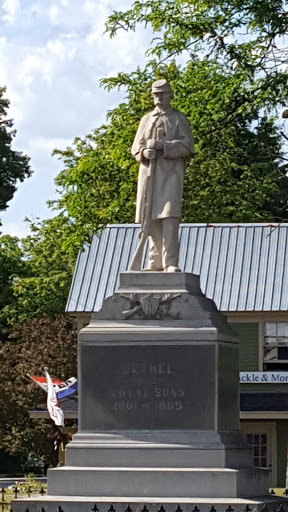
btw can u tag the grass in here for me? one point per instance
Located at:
(29, 488)
(279, 491)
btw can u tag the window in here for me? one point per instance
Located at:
(258, 443)
(276, 346)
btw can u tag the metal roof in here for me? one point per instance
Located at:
(242, 267)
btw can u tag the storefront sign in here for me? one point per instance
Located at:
(264, 377)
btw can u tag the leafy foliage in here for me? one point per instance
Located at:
(14, 166)
(49, 263)
(12, 267)
(244, 40)
(238, 174)
(229, 88)
(244, 34)
(36, 277)
(33, 345)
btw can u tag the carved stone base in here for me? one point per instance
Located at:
(158, 398)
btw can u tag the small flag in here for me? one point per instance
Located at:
(56, 414)
(62, 388)
(41, 381)
(66, 388)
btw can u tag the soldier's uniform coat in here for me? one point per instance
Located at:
(172, 127)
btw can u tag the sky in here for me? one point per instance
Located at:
(52, 55)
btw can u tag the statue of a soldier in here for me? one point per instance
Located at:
(162, 145)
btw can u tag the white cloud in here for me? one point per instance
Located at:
(10, 8)
(52, 55)
(54, 14)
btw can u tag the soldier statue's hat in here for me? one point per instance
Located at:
(161, 86)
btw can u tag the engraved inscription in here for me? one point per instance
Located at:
(142, 367)
(152, 385)
(143, 387)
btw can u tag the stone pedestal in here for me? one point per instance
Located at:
(159, 398)
(158, 406)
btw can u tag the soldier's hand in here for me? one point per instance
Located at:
(150, 154)
(155, 144)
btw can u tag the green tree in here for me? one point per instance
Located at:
(49, 263)
(14, 166)
(32, 346)
(12, 267)
(35, 276)
(240, 34)
(237, 175)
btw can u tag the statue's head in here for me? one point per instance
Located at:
(162, 93)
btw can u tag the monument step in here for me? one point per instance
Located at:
(159, 448)
(153, 481)
(152, 504)
(92, 456)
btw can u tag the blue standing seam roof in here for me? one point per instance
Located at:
(242, 267)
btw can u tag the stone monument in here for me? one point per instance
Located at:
(159, 399)
(158, 371)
